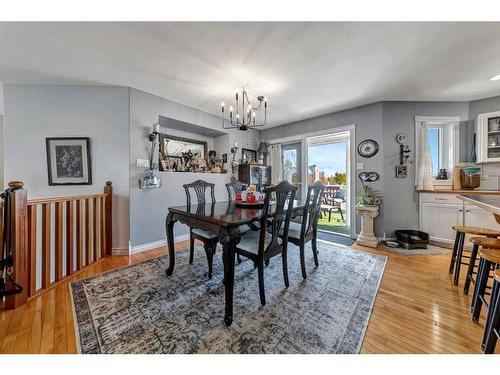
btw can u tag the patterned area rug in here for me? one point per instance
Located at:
(138, 309)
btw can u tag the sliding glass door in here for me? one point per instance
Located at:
(328, 161)
(292, 165)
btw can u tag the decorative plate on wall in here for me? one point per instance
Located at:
(368, 176)
(368, 148)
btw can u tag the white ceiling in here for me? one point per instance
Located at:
(306, 69)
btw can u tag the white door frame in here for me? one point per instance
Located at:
(351, 161)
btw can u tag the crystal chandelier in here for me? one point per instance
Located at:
(247, 119)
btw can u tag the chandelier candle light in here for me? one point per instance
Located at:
(248, 118)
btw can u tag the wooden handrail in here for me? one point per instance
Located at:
(64, 199)
(82, 231)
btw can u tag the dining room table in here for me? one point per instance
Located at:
(223, 219)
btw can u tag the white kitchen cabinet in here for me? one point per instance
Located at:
(437, 219)
(487, 129)
(439, 212)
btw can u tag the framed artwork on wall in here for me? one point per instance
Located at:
(68, 161)
(248, 156)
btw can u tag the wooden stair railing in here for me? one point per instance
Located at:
(65, 234)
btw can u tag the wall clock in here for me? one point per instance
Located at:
(368, 148)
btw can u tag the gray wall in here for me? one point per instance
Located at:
(148, 207)
(34, 112)
(368, 121)
(382, 121)
(483, 106)
(401, 199)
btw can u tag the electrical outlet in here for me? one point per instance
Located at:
(144, 163)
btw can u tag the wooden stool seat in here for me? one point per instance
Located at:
(496, 275)
(491, 255)
(476, 231)
(487, 243)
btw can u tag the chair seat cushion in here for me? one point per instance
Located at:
(250, 242)
(204, 233)
(294, 230)
(244, 228)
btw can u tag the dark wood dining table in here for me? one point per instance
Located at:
(224, 219)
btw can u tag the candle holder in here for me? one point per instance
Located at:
(150, 180)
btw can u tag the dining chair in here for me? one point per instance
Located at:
(260, 246)
(234, 187)
(301, 233)
(208, 238)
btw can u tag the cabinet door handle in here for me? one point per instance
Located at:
(467, 210)
(460, 210)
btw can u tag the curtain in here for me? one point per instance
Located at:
(423, 175)
(275, 162)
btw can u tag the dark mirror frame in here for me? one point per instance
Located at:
(163, 136)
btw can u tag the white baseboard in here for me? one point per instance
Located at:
(155, 244)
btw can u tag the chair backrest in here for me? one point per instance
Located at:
(232, 188)
(312, 208)
(340, 194)
(200, 188)
(285, 194)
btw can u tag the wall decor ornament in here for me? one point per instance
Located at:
(368, 176)
(368, 148)
(68, 161)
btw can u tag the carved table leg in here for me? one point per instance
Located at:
(169, 226)
(229, 238)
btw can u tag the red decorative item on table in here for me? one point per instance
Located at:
(238, 195)
(250, 198)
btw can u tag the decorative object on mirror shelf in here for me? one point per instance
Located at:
(150, 180)
(262, 151)
(368, 176)
(401, 171)
(177, 154)
(368, 148)
(68, 161)
(248, 118)
(248, 156)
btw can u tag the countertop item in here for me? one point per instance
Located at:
(468, 192)
(487, 202)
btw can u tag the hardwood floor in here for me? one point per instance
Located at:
(417, 310)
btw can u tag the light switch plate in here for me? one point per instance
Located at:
(360, 166)
(144, 163)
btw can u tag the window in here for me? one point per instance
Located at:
(435, 140)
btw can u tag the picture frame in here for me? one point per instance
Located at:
(68, 161)
(401, 171)
(248, 155)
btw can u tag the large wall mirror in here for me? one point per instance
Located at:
(180, 154)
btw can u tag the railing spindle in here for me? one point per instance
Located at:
(87, 232)
(32, 213)
(46, 245)
(95, 230)
(79, 234)
(103, 227)
(69, 238)
(58, 240)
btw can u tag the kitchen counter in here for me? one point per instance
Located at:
(487, 202)
(468, 192)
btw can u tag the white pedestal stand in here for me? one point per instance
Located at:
(367, 237)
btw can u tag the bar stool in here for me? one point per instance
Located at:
(487, 243)
(492, 325)
(458, 246)
(488, 259)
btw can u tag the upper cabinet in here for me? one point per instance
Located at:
(487, 129)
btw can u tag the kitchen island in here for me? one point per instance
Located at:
(490, 203)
